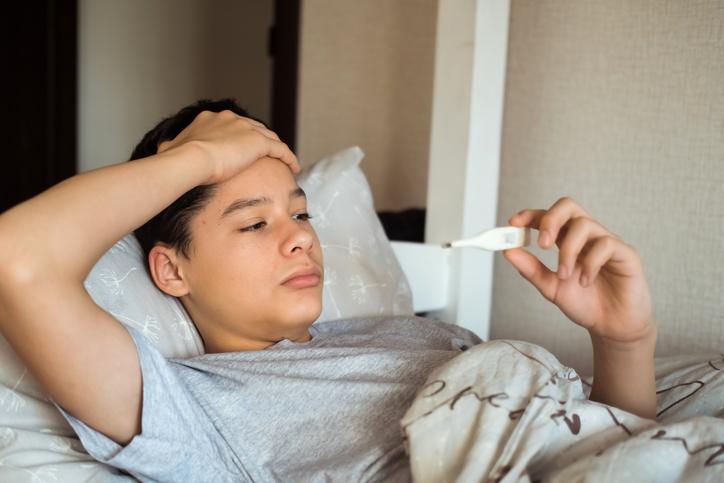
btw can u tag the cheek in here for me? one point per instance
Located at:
(317, 250)
(238, 270)
(319, 256)
(250, 270)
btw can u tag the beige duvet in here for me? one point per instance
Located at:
(508, 411)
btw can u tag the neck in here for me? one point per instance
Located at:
(220, 341)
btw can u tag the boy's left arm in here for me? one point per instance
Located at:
(600, 285)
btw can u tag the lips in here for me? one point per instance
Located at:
(303, 278)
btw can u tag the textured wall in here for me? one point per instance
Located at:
(366, 70)
(620, 104)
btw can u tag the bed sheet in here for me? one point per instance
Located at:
(508, 411)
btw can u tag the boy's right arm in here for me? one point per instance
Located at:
(85, 360)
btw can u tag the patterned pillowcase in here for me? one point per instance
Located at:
(362, 277)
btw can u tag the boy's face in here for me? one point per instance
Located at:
(250, 238)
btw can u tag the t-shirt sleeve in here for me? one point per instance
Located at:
(177, 441)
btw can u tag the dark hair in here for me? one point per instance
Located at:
(171, 226)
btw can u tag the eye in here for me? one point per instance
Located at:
(254, 227)
(303, 217)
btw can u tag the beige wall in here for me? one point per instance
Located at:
(620, 104)
(366, 70)
(142, 60)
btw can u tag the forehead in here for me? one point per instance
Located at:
(266, 180)
(265, 174)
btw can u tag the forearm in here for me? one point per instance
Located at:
(67, 228)
(624, 377)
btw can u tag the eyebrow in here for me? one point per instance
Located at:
(242, 203)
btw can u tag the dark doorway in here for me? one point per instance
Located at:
(284, 49)
(39, 38)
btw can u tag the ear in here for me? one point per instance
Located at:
(165, 271)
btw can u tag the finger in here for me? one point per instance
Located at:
(606, 251)
(534, 271)
(232, 115)
(555, 218)
(254, 122)
(279, 150)
(601, 252)
(529, 218)
(532, 219)
(572, 239)
(266, 132)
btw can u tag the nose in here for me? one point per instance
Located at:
(299, 240)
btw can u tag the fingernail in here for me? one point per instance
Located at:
(584, 280)
(562, 272)
(544, 238)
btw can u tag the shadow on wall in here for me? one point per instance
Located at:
(225, 62)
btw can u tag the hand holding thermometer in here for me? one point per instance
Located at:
(501, 238)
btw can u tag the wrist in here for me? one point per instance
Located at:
(641, 343)
(623, 357)
(197, 156)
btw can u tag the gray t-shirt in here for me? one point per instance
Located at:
(324, 410)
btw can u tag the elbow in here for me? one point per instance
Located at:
(16, 266)
(19, 272)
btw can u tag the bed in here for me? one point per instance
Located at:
(366, 274)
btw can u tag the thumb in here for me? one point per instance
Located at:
(534, 271)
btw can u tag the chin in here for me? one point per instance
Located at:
(312, 314)
(303, 313)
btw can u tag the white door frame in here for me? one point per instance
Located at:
(465, 146)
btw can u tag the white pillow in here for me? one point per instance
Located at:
(121, 285)
(361, 274)
(362, 277)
